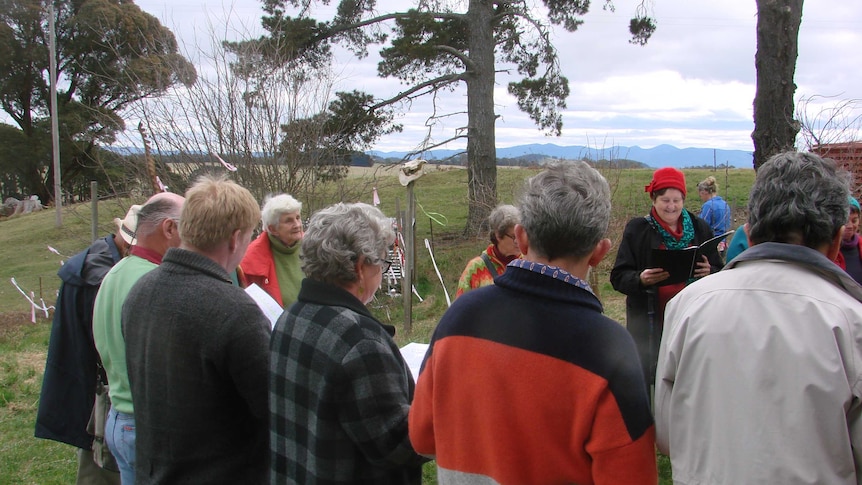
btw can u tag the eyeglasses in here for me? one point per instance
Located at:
(509, 235)
(385, 264)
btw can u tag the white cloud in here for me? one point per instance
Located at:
(692, 85)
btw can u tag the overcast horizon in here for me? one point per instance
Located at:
(692, 85)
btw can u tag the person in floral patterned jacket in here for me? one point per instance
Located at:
(483, 269)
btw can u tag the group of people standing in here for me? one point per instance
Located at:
(202, 388)
(525, 379)
(755, 366)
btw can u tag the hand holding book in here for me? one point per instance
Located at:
(681, 265)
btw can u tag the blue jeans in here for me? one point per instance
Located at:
(120, 437)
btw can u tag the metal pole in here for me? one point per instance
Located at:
(55, 130)
(409, 255)
(94, 202)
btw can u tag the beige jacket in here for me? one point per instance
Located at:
(759, 373)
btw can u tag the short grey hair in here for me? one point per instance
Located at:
(338, 236)
(501, 218)
(566, 210)
(276, 205)
(158, 208)
(798, 198)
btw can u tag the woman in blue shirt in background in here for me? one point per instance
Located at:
(715, 210)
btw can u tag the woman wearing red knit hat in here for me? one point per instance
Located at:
(668, 226)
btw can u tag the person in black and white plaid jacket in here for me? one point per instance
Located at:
(339, 390)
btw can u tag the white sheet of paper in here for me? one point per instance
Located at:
(413, 354)
(267, 304)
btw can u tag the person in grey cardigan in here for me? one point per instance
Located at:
(197, 350)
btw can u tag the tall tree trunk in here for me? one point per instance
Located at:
(481, 142)
(777, 49)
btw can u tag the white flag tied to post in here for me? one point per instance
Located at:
(375, 199)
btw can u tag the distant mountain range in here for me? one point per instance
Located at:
(660, 156)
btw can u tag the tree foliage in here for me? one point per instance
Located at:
(110, 54)
(440, 45)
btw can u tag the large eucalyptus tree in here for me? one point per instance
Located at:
(109, 54)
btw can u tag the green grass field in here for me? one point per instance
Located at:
(441, 213)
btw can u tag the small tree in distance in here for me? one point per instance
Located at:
(828, 119)
(271, 121)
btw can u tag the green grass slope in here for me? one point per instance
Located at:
(441, 200)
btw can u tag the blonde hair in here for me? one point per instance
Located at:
(708, 185)
(216, 207)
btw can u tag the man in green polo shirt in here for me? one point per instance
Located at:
(157, 231)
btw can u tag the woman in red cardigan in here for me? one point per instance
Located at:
(272, 260)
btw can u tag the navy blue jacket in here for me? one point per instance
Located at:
(69, 383)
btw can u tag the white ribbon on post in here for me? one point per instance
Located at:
(33, 305)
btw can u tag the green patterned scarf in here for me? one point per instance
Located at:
(671, 242)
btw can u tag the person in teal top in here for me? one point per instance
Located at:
(738, 243)
(157, 231)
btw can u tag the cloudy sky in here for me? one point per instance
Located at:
(692, 85)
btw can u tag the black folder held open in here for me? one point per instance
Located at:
(681, 263)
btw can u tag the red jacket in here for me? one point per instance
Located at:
(258, 267)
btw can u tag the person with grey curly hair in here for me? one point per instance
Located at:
(529, 367)
(762, 357)
(273, 259)
(491, 263)
(339, 388)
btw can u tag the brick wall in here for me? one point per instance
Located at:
(848, 155)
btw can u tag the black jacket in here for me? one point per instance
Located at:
(639, 238)
(69, 383)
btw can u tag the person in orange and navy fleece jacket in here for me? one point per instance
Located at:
(525, 381)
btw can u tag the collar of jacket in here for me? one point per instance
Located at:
(320, 293)
(88, 267)
(258, 257)
(545, 286)
(803, 256)
(193, 262)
